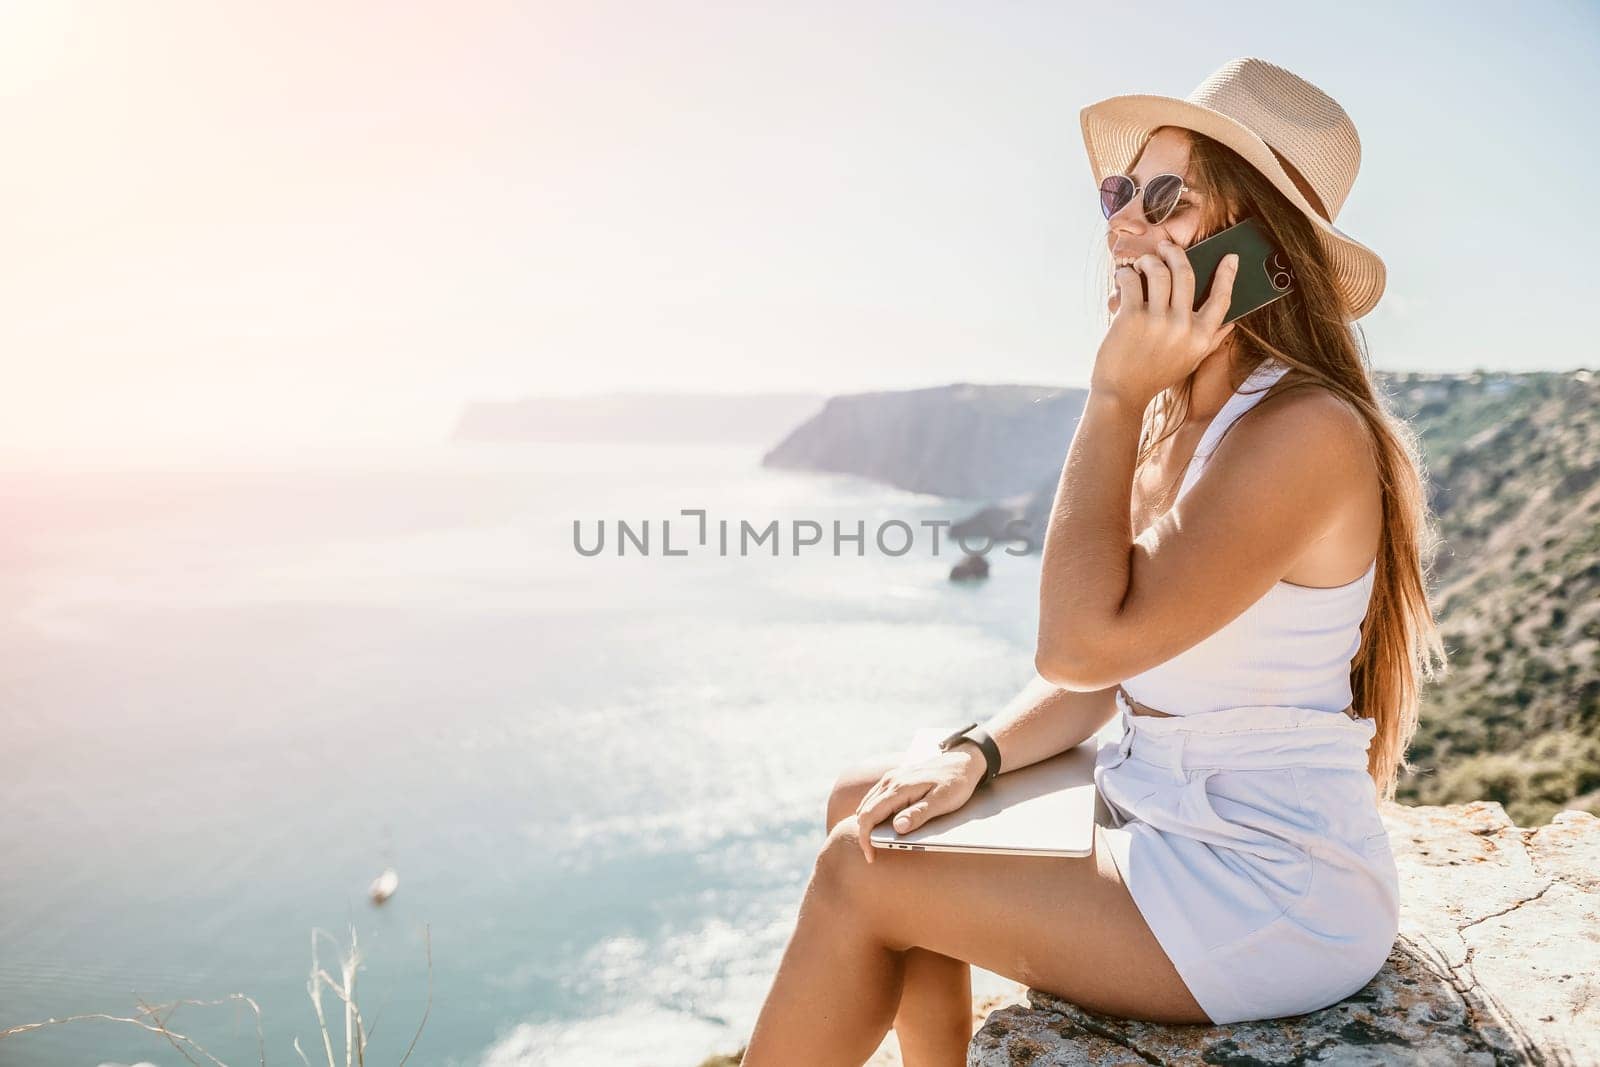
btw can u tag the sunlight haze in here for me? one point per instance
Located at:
(238, 223)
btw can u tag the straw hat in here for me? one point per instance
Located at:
(1295, 134)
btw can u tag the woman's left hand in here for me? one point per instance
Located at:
(918, 791)
(1152, 345)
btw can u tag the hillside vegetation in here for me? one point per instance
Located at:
(1513, 463)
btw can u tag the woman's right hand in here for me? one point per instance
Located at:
(918, 791)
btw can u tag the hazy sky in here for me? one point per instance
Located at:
(285, 221)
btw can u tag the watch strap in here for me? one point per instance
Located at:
(980, 737)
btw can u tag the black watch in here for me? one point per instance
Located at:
(991, 751)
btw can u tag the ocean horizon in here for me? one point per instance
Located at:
(239, 688)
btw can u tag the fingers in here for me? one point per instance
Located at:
(1215, 309)
(911, 818)
(1130, 295)
(1159, 280)
(889, 804)
(865, 819)
(863, 827)
(877, 806)
(1182, 272)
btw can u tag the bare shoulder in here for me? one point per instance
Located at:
(1303, 428)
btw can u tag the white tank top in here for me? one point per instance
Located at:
(1292, 647)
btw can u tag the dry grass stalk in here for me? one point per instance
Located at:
(154, 1018)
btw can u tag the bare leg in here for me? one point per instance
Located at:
(933, 1024)
(1060, 924)
(836, 991)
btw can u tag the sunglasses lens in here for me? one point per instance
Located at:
(1161, 196)
(1115, 192)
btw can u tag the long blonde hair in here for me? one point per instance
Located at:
(1311, 331)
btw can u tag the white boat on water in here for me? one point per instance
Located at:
(384, 885)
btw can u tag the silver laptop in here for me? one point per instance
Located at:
(1047, 808)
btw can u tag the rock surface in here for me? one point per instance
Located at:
(1020, 518)
(1498, 962)
(971, 568)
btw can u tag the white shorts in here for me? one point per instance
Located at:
(1251, 842)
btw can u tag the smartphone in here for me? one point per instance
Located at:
(1264, 271)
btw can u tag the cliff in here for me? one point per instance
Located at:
(1514, 467)
(962, 440)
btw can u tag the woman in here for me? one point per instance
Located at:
(1261, 631)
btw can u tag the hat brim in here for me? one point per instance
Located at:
(1117, 127)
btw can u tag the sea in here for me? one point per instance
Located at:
(234, 689)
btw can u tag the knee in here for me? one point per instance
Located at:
(840, 860)
(845, 891)
(853, 784)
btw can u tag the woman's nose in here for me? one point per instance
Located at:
(1124, 233)
(1129, 218)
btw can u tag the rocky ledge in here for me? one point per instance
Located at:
(1498, 962)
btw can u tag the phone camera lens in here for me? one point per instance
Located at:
(1281, 280)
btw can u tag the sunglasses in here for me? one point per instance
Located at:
(1161, 195)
